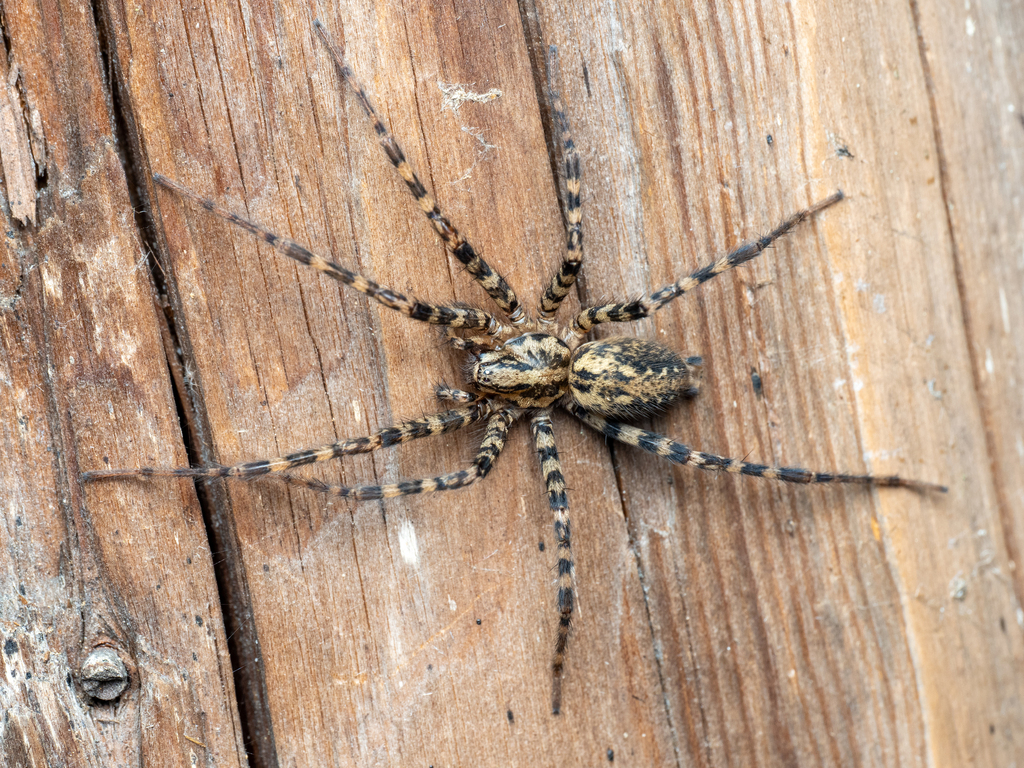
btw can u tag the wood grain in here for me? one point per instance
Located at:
(722, 621)
(83, 378)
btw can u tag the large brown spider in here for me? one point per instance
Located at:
(522, 367)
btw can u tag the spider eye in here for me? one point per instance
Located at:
(483, 373)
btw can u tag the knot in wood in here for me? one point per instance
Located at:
(104, 676)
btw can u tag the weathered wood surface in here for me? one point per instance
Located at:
(722, 621)
(82, 376)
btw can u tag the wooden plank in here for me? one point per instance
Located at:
(977, 119)
(722, 621)
(120, 581)
(799, 626)
(375, 628)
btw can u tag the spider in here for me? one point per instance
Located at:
(522, 367)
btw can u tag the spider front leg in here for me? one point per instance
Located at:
(490, 280)
(436, 314)
(647, 305)
(493, 443)
(678, 453)
(437, 424)
(565, 277)
(544, 439)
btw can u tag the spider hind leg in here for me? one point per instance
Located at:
(678, 453)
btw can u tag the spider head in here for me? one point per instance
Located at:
(626, 378)
(531, 370)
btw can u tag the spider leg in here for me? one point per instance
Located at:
(448, 421)
(678, 453)
(544, 439)
(492, 282)
(565, 277)
(493, 443)
(437, 314)
(647, 305)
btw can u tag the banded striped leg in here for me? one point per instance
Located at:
(437, 314)
(646, 305)
(678, 453)
(439, 423)
(492, 282)
(494, 441)
(544, 439)
(564, 279)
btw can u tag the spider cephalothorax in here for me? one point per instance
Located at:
(520, 368)
(530, 370)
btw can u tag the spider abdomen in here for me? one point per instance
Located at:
(627, 378)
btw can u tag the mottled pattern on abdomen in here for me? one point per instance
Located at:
(627, 378)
